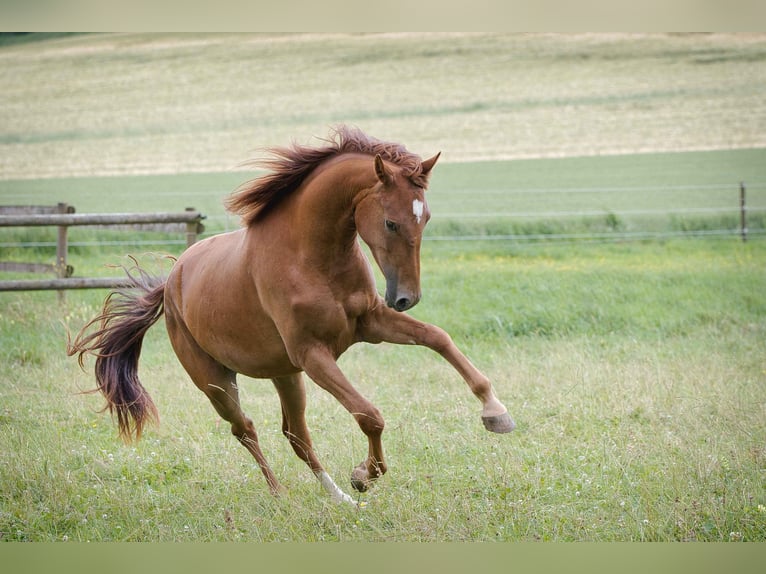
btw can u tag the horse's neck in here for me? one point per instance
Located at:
(324, 207)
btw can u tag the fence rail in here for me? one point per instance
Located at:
(64, 284)
(73, 219)
(63, 217)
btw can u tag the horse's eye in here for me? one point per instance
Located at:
(391, 226)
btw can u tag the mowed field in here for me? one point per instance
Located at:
(126, 103)
(635, 369)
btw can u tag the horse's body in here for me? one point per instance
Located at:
(289, 294)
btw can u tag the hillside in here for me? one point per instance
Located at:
(145, 103)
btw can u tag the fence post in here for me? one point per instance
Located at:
(192, 230)
(62, 247)
(742, 212)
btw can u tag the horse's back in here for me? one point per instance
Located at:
(204, 267)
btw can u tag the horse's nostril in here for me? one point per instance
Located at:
(402, 304)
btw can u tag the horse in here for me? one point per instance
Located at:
(286, 294)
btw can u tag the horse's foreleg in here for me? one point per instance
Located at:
(392, 327)
(320, 365)
(292, 396)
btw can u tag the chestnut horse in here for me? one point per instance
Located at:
(287, 294)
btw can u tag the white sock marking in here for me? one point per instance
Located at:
(335, 492)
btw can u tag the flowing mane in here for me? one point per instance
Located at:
(290, 166)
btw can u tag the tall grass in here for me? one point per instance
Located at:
(634, 372)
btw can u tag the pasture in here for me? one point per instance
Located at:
(635, 374)
(635, 369)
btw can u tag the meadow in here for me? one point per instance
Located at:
(635, 374)
(634, 367)
(119, 104)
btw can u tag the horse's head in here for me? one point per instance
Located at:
(390, 219)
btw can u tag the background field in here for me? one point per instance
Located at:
(635, 369)
(126, 103)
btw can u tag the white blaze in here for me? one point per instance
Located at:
(417, 209)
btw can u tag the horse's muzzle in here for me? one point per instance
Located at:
(399, 298)
(402, 301)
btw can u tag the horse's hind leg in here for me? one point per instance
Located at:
(219, 385)
(225, 399)
(292, 396)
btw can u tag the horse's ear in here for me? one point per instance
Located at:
(429, 164)
(381, 171)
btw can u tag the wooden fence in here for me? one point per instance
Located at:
(63, 217)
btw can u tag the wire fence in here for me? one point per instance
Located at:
(628, 213)
(658, 218)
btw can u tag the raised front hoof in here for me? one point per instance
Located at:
(499, 424)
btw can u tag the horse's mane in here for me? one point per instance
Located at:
(290, 166)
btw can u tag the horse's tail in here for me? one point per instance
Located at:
(116, 343)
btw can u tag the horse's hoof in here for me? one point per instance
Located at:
(499, 424)
(278, 491)
(359, 480)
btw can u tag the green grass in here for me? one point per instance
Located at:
(634, 372)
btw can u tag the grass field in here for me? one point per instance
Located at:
(635, 374)
(635, 370)
(106, 104)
